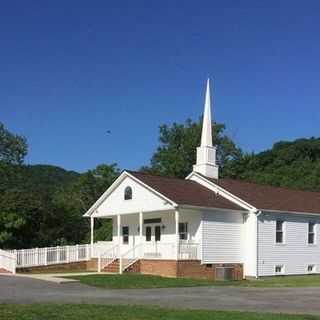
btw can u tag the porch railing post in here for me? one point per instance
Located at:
(45, 256)
(77, 252)
(99, 262)
(140, 233)
(58, 250)
(37, 257)
(118, 233)
(92, 234)
(120, 265)
(22, 258)
(176, 215)
(68, 254)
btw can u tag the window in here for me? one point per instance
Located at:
(183, 230)
(125, 235)
(128, 193)
(279, 231)
(157, 231)
(148, 233)
(311, 233)
(279, 269)
(311, 268)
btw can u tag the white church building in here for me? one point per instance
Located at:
(208, 227)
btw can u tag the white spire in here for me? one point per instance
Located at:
(206, 153)
(206, 137)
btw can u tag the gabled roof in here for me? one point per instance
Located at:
(185, 192)
(266, 197)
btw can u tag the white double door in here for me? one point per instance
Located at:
(152, 233)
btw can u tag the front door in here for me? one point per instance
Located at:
(152, 240)
(153, 233)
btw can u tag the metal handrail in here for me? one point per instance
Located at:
(131, 260)
(102, 255)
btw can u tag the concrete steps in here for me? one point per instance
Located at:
(112, 267)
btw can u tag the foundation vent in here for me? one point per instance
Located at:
(224, 273)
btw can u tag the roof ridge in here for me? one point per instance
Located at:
(268, 185)
(154, 175)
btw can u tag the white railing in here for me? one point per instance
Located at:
(188, 251)
(51, 255)
(7, 261)
(159, 250)
(106, 252)
(108, 257)
(130, 257)
(101, 247)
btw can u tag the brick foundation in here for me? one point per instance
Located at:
(4, 271)
(91, 265)
(183, 268)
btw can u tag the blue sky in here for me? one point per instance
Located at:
(71, 70)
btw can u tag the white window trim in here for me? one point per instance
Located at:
(314, 244)
(282, 272)
(314, 269)
(122, 235)
(284, 228)
(188, 234)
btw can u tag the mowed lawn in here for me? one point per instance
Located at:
(99, 312)
(130, 281)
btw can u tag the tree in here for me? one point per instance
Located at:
(177, 151)
(70, 204)
(293, 164)
(13, 148)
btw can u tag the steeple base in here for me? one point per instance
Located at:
(207, 169)
(206, 162)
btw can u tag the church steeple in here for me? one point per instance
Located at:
(206, 153)
(206, 136)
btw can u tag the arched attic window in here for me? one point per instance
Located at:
(128, 193)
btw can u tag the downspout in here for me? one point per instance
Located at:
(258, 213)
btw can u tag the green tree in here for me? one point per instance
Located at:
(13, 148)
(70, 205)
(177, 151)
(293, 164)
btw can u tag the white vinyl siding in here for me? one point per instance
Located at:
(250, 248)
(295, 254)
(223, 237)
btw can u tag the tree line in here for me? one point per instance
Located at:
(42, 205)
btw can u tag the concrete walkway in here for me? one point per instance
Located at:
(285, 300)
(54, 277)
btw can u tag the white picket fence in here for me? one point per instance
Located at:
(51, 255)
(7, 261)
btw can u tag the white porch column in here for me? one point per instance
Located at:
(92, 235)
(141, 232)
(118, 232)
(176, 216)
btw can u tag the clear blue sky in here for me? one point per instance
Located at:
(71, 70)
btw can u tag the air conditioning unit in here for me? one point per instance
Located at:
(224, 273)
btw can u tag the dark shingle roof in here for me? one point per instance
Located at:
(185, 192)
(270, 197)
(262, 197)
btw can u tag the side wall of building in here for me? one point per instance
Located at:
(295, 254)
(250, 245)
(223, 237)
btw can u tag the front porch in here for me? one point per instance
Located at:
(161, 235)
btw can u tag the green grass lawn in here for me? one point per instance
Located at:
(128, 281)
(99, 312)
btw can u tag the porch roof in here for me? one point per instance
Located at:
(185, 192)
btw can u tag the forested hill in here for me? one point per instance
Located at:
(43, 205)
(290, 164)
